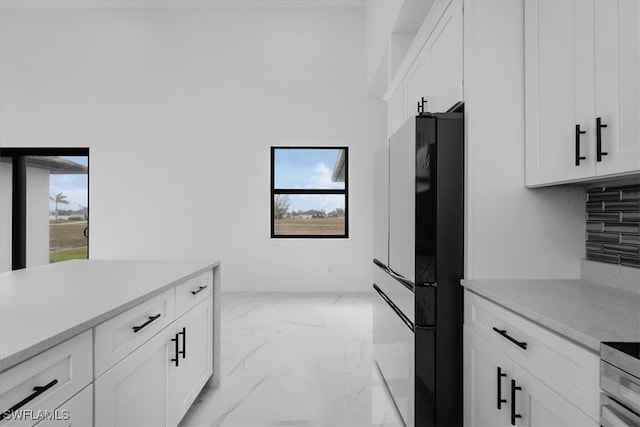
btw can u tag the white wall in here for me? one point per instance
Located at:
(381, 16)
(5, 216)
(512, 232)
(179, 107)
(37, 216)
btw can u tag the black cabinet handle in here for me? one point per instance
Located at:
(177, 350)
(514, 388)
(503, 332)
(578, 156)
(421, 105)
(500, 399)
(151, 319)
(599, 152)
(37, 391)
(197, 291)
(184, 342)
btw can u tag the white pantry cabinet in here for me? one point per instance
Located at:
(443, 59)
(582, 91)
(434, 69)
(514, 367)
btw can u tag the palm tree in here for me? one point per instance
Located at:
(60, 198)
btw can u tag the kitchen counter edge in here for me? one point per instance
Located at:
(560, 311)
(18, 357)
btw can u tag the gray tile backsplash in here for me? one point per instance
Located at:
(613, 225)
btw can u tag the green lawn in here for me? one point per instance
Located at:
(67, 254)
(67, 241)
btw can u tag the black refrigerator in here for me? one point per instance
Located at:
(418, 300)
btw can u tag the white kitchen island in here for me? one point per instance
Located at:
(107, 342)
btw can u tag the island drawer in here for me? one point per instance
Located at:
(193, 291)
(47, 380)
(569, 369)
(119, 336)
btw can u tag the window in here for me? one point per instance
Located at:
(309, 192)
(44, 214)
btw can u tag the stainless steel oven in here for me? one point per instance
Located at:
(620, 384)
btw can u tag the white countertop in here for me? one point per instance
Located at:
(46, 305)
(583, 311)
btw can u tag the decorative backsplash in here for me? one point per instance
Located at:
(613, 225)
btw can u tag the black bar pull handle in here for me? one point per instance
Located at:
(599, 152)
(200, 289)
(500, 399)
(151, 319)
(514, 388)
(503, 332)
(184, 342)
(177, 350)
(578, 156)
(37, 391)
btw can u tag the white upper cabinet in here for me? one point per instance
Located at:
(443, 59)
(581, 70)
(617, 38)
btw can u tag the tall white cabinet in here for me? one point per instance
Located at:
(582, 90)
(432, 70)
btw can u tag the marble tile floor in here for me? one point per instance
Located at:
(295, 359)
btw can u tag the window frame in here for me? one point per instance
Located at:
(19, 194)
(310, 191)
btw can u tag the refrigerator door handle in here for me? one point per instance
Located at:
(400, 314)
(399, 277)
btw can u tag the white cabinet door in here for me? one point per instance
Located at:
(443, 59)
(396, 110)
(487, 376)
(134, 391)
(537, 405)
(77, 411)
(617, 74)
(559, 90)
(415, 83)
(195, 362)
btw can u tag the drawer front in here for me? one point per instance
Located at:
(121, 335)
(193, 291)
(568, 369)
(76, 412)
(47, 380)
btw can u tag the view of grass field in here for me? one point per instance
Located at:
(67, 241)
(326, 226)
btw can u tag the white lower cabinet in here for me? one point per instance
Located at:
(519, 373)
(538, 405)
(195, 362)
(76, 412)
(500, 392)
(485, 382)
(134, 392)
(156, 384)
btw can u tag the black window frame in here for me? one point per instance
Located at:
(310, 191)
(19, 194)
